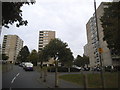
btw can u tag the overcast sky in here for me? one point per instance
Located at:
(67, 17)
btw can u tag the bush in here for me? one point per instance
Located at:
(63, 69)
(72, 69)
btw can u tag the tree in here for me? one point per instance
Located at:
(23, 54)
(58, 50)
(82, 61)
(69, 64)
(86, 60)
(110, 23)
(69, 58)
(4, 57)
(42, 57)
(79, 61)
(11, 13)
(33, 57)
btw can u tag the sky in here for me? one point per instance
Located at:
(67, 18)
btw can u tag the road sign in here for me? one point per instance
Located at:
(100, 50)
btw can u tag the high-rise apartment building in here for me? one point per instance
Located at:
(86, 50)
(11, 46)
(44, 38)
(92, 39)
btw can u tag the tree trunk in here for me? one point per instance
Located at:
(41, 70)
(85, 81)
(68, 69)
(41, 73)
(45, 74)
(56, 74)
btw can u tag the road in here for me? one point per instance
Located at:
(19, 78)
(0, 74)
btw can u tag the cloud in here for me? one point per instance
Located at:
(67, 17)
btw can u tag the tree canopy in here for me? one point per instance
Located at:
(69, 57)
(33, 57)
(4, 57)
(23, 54)
(111, 23)
(57, 49)
(81, 61)
(42, 56)
(11, 13)
(86, 59)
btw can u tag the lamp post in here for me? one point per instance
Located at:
(99, 47)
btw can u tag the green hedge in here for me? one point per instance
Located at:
(63, 69)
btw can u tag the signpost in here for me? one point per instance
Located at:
(99, 47)
(100, 50)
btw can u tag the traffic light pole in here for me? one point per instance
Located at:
(101, 65)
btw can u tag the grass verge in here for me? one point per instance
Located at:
(75, 78)
(93, 79)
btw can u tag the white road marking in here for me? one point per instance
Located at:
(18, 74)
(15, 78)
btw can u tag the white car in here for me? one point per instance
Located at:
(28, 66)
(75, 66)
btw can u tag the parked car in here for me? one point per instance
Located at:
(116, 68)
(17, 63)
(112, 68)
(75, 66)
(86, 69)
(108, 68)
(4, 61)
(22, 64)
(28, 67)
(96, 69)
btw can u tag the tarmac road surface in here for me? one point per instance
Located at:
(19, 78)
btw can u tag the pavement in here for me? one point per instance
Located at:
(50, 82)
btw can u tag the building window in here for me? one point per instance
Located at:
(45, 37)
(98, 61)
(41, 37)
(45, 40)
(5, 37)
(40, 48)
(46, 43)
(3, 47)
(41, 31)
(45, 34)
(41, 34)
(40, 42)
(40, 45)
